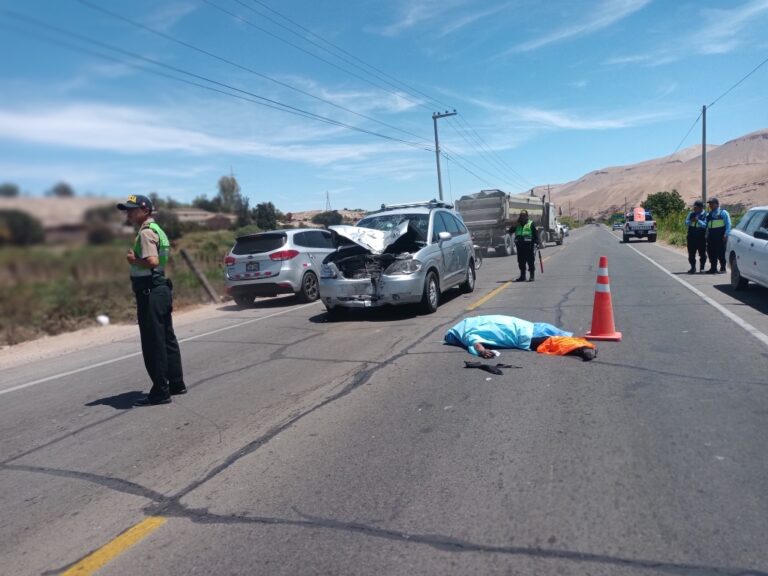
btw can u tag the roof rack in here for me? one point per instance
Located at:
(427, 204)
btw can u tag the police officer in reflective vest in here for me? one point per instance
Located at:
(526, 241)
(718, 228)
(696, 222)
(154, 302)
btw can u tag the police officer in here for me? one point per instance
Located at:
(696, 222)
(718, 228)
(526, 241)
(154, 302)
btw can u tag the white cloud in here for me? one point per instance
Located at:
(416, 12)
(608, 13)
(722, 33)
(167, 16)
(134, 131)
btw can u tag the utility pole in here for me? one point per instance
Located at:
(704, 154)
(327, 202)
(435, 117)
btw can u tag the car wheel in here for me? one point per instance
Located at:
(310, 289)
(625, 239)
(651, 238)
(430, 299)
(243, 300)
(509, 245)
(469, 284)
(738, 282)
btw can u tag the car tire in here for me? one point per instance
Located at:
(738, 282)
(625, 239)
(651, 238)
(430, 299)
(468, 285)
(310, 288)
(243, 300)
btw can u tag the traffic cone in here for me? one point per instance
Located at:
(602, 311)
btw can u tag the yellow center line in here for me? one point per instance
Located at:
(111, 550)
(496, 291)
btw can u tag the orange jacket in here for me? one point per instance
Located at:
(562, 345)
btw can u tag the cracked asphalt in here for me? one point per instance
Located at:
(364, 446)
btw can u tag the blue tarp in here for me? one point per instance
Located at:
(500, 331)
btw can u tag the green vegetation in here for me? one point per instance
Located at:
(664, 203)
(50, 290)
(18, 228)
(331, 218)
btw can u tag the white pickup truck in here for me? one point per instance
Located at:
(637, 228)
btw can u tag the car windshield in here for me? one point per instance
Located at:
(387, 222)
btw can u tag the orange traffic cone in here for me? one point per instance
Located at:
(602, 311)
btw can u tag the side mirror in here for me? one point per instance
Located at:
(761, 234)
(444, 236)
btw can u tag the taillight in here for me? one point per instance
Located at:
(229, 261)
(284, 255)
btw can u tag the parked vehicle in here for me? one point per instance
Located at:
(618, 225)
(276, 262)
(402, 254)
(747, 249)
(489, 213)
(639, 224)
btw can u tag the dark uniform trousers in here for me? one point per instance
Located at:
(526, 255)
(716, 247)
(159, 345)
(697, 244)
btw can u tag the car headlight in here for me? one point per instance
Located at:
(409, 266)
(327, 271)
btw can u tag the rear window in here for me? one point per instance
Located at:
(258, 244)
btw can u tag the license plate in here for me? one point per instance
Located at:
(251, 266)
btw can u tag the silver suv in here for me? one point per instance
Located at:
(401, 254)
(276, 262)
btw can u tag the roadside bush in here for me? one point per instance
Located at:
(18, 228)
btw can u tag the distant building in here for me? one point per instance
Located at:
(210, 220)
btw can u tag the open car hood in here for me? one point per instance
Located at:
(375, 241)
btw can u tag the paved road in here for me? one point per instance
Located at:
(365, 447)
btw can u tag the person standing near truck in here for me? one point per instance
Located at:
(696, 222)
(718, 228)
(154, 302)
(526, 241)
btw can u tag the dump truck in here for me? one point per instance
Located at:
(488, 214)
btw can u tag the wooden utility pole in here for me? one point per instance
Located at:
(704, 155)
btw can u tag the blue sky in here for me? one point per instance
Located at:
(545, 92)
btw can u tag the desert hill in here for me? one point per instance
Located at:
(737, 173)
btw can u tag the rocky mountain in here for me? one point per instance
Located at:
(737, 173)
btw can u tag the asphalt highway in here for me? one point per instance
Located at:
(364, 447)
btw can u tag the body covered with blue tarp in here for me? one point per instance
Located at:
(499, 331)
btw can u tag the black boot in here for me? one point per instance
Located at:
(521, 278)
(692, 270)
(531, 275)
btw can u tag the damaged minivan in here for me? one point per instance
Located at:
(402, 254)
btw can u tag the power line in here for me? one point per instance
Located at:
(240, 66)
(687, 133)
(409, 88)
(281, 39)
(259, 99)
(755, 69)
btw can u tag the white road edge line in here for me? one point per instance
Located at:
(119, 358)
(722, 309)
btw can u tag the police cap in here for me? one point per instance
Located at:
(136, 201)
(698, 203)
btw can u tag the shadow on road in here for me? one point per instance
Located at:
(754, 296)
(266, 303)
(122, 401)
(382, 313)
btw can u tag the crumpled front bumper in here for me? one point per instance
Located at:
(368, 292)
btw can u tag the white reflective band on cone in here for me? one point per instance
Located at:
(602, 271)
(602, 288)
